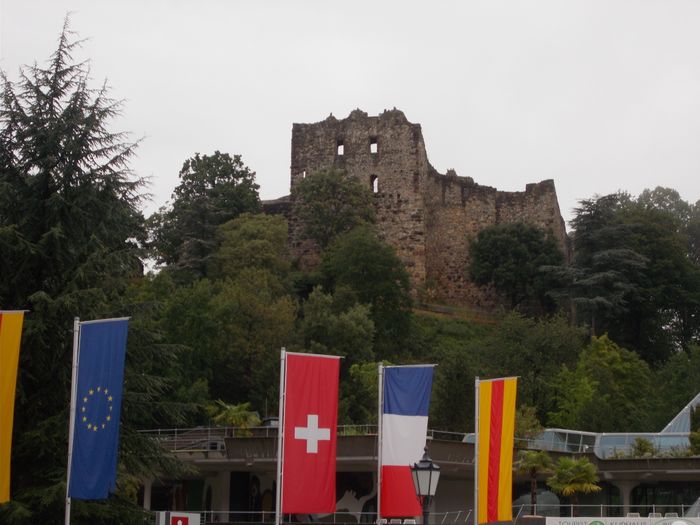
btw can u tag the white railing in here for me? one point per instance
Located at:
(457, 517)
(606, 511)
(556, 440)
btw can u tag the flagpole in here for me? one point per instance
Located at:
(476, 450)
(380, 420)
(280, 435)
(73, 396)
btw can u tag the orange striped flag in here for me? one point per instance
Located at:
(10, 334)
(496, 430)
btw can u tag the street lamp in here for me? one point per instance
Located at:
(425, 479)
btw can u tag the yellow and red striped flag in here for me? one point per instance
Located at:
(494, 442)
(10, 335)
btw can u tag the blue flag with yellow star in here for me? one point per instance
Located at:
(101, 351)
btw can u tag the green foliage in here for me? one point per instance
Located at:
(694, 430)
(361, 269)
(210, 326)
(454, 345)
(695, 418)
(358, 402)
(252, 241)
(239, 416)
(643, 448)
(527, 424)
(534, 350)
(510, 257)
(70, 229)
(680, 376)
(232, 329)
(213, 190)
(329, 203)
(694, 438)
(345, 332)
(634, 274)
(574, 476)
(332, 327)
(693, 234)
(606, 271)
(574, 393)
(603, 392)
(533, 463)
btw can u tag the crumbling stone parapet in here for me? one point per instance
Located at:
(429, 218)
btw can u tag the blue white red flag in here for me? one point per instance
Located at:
(404, 426)
(93, 468)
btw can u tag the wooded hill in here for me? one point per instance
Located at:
(607, 343)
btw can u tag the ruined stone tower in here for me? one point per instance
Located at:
(428, 217)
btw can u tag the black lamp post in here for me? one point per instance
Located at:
(425, 478)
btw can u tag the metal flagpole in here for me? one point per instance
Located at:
(476, 450)
(380, 420)
(280, 435)
(73, 396)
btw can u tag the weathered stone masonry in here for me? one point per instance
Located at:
(428, 217)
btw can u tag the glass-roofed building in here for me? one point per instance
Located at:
(233, 473)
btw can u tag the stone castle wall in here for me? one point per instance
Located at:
(429, 218)
(457, 210)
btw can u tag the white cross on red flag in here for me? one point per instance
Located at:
(309, 419)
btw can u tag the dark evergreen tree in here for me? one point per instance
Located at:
(633, 274)
(70, 228)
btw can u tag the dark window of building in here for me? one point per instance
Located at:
(373, 147)
(374, 183)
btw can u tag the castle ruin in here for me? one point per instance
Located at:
(428, 217)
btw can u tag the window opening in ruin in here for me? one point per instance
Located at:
(374, 183)
(341, 148)
(303, 174)
(373, 148)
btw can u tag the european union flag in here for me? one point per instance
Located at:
(102, 347)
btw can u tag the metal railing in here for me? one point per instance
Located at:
(607, 511)
(457, 517)
(208, 438)
(212, 438)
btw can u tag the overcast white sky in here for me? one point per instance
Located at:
(598, 95)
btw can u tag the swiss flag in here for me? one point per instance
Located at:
(310, 417)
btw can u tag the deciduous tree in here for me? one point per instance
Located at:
(213, 189)
(603, 392)
(510, 257)
(330, 203)
(362, 269)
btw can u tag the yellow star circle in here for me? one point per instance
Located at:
(90, 409)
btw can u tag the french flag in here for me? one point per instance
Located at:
(404, 426)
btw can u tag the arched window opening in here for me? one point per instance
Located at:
(374, 183)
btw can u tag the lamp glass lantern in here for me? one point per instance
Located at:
(425, 477)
